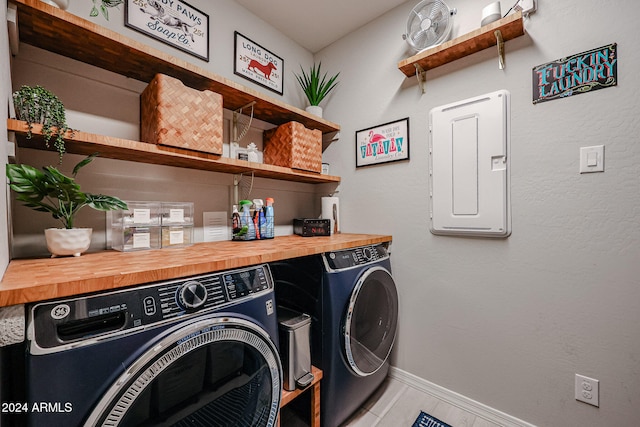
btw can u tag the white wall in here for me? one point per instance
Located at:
(505, 322)
(509, 322)
(5, 93)
(225, 17)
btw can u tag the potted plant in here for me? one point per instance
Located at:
(60, 4)
(104, 4)
(49, 190)
(316, 88)
(35, 104)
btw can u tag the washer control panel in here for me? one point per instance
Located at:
(192, 295)
(64, 322)
(339, 260)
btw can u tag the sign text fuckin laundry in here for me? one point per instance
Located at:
(576, 74)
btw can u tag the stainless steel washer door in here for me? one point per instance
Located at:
(370, 321)
(214, 371)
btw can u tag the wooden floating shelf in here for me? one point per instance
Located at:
(483, 38)
(61, 32)
(124, 149)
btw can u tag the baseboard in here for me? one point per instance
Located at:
(458, 400)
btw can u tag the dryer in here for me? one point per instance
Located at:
(353, 302)
(198, 351)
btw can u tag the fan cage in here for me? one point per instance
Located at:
(429, 24)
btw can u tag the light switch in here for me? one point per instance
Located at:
(592, 159)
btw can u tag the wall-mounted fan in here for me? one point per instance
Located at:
(429, 24)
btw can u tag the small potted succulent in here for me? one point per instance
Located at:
(316, 88)
(104, 5)
(35, 104)
(48, 190)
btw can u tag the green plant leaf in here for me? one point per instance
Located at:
(105, 11)
(101, 202)
(314, 87)
(84, 162)
(38, 105)
(51, 191)
(25, 179)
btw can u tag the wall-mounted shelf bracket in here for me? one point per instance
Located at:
(421, 75)
(500, 43)
(495, 33)
(12, 27)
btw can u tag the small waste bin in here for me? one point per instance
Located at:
(295, 348)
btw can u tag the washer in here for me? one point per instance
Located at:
(198, 351)
(353, 302)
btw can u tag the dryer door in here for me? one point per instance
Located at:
(370, 321)
(210, 372)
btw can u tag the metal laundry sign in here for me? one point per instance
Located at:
(583, 72)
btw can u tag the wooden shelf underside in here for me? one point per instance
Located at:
(123, 149)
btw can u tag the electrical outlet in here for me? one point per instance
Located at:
(588, 390)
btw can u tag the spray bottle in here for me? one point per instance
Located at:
(268, 212)
(246, 220)
(262, 222)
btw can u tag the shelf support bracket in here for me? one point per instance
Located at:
(500, 43)
(421, 75)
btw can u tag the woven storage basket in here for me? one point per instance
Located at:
(179, 116)
(294, 146)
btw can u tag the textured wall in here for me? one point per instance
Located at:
(509, 322)
(5, 91)
(505, 322)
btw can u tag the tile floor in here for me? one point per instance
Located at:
(396, 404)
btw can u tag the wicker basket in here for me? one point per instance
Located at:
(294, 146)
(179, 116)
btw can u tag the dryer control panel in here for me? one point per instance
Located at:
(73, 321)
(349, 258)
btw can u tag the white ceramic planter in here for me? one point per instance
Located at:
(62, 4)
(314, 109)
(64, 242)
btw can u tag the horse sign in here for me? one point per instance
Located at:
(173, 22)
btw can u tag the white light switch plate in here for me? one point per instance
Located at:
(592, 159)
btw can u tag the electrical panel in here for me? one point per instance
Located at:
(469, 167)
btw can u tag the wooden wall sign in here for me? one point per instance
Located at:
(255, 63)
(580, 73)
(173, 22)
(384, 143)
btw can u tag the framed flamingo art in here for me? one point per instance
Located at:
(383, 143)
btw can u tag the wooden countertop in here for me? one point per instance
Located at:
(30, 280)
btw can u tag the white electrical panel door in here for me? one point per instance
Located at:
(469, 167)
